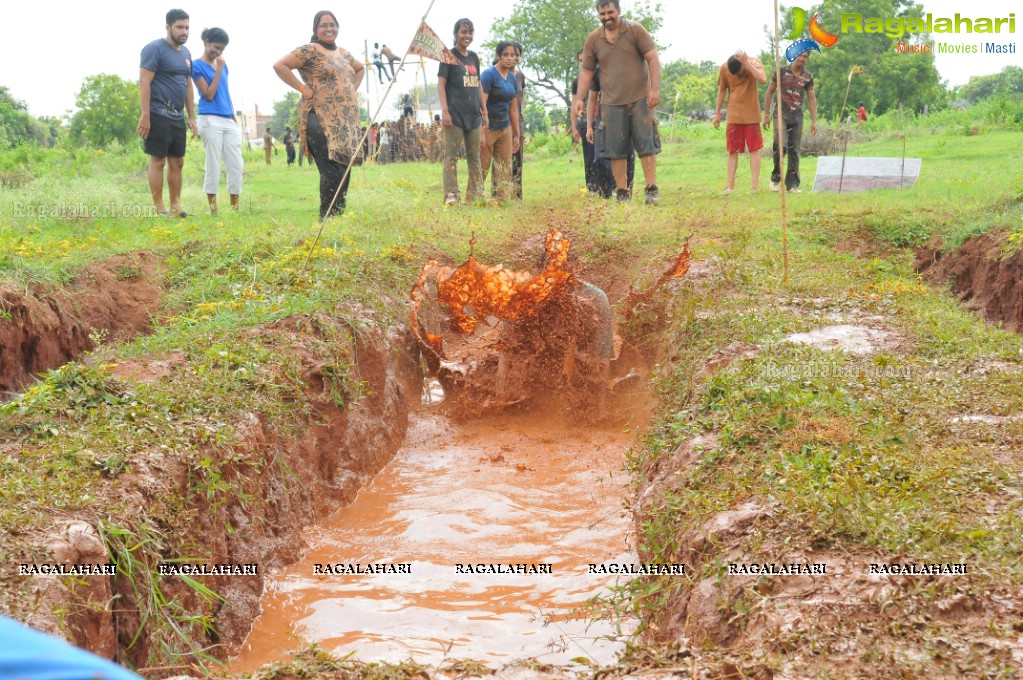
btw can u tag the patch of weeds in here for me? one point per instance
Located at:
(1013, 243)
(125, 272)
(171, 627)
(112, 465)
(339, 384)
(314, 662)
(901, 229)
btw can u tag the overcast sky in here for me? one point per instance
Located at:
(48, 48)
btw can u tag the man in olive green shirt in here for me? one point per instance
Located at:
(630, 92)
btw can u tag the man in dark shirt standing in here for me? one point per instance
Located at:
(165, 94)
(795, 81)
(289, 144)
(631, 75)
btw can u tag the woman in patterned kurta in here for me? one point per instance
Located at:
(328, 116)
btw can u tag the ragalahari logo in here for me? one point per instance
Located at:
(818, 36)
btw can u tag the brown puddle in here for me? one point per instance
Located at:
(510, 489)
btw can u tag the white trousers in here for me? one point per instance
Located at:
(221, 137)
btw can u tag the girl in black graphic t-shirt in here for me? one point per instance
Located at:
(462, 115)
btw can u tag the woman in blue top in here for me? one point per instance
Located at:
(500, 118)
(218, 127)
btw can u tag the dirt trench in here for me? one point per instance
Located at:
(42, 328)
(511, 489)
(284, 480)
(304, 476)
(515, 459)
(981, 276)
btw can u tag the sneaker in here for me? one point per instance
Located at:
(795, 190)
(726, 191)
(653, 196)
(451, 199)
(623, 195)
(775, 186)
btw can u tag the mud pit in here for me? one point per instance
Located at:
(513, 489)
(497, 472)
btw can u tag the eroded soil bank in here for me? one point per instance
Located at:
(982, 275)
(237, 492)
(43, 328)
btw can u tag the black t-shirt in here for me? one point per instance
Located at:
(463, 90)
(173, 70)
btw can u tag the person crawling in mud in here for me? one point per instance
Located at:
(568, 348)
(516, 338)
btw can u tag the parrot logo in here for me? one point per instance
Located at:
(818, 36)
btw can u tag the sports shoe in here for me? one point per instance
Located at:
(451, 199)
(726, 191)
(653, 196)
(623, 195)
(775, 186)
(795, 190)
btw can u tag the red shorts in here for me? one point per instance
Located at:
(742, 137)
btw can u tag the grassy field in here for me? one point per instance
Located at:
(865, 457)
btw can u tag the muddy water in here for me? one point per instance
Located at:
(514, 490)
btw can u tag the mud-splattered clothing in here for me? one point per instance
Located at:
(626, 77)
(462, 90)
(793, 88)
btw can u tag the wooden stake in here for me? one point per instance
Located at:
(783, 160)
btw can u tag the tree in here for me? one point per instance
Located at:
(17, 126)
(537, 119)
(1008, 81)
(285, 114)
(687, 88)
(552, 32)
(108, 111)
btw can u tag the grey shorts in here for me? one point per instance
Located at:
(629, 126)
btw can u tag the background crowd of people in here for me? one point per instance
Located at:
(481, 118)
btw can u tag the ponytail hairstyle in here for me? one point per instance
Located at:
(214, 35)
(464, 22)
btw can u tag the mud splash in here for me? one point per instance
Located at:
(511, 490)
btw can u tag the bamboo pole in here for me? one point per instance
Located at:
(783, 160)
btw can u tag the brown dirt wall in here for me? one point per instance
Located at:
(42, 328)
(981, 275)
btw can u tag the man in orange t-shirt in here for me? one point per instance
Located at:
(738, 79)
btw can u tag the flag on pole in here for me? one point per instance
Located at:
(428, 44)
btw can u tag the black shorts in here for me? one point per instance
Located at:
(167, 137)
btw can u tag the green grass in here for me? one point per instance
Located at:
(856, 460)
